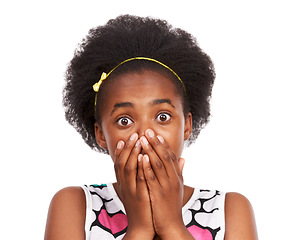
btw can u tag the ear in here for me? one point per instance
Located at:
(100, 138)
(188, 126)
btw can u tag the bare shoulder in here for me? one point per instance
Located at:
(66, 215)
(239, 217)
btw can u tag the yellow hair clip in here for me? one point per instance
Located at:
(97, 85)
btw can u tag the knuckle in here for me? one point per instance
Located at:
(148, 168)
(140, 178)
(156, 142)
(174, 157)
(127, 145)
(158, 164)
(165, 146)
(152, 177)
(166, 156)
(128, 169)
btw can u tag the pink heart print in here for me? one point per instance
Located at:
(116, 223)
(199, 233)
(119, 222)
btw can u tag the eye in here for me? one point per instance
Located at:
(124, 121)
(163, 117)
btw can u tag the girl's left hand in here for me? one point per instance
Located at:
(163, 174)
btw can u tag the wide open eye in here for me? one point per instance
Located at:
(163, 117)
(124, 121)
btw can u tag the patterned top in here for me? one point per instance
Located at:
(106, 218)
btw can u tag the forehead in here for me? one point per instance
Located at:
(140, 87)
(135, 84)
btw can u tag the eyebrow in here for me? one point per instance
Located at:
(121, 105)
(152, 103)
(160, 101)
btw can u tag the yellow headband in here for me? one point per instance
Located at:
(104, 75)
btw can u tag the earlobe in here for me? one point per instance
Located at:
(100, 138)
(188, 126)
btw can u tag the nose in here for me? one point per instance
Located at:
(141, 132)
(142, 127)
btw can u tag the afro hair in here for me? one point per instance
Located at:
(126, 37)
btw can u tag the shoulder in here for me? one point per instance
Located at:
(239, 218)
(66, 215)
(69, 193)
(70, 198)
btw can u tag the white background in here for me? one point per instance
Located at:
(247, 146)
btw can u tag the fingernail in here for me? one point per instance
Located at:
(140, 157)
(146, 158)
(120, 144)
(133, 136)
(150, 133)
(144, 140)
(138, 144)
(160, 138)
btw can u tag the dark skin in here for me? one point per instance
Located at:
(144, 129)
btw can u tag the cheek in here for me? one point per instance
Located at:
(111, 145)
(178, 144)
(111, 149)
(174, 138)
(112, 138)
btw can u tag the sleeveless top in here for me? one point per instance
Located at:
(106, 219)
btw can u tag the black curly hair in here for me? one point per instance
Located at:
(126, 37)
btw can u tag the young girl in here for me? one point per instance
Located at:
(138, 89)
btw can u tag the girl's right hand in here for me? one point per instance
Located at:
(132, 189)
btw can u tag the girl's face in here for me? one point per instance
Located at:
(135, 102)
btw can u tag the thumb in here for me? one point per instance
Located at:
(181, 164)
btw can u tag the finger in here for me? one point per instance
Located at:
(149, 175)
(118, 150)
(164, 152)
(173, 157)
(122, 155)
(131, 166)
(141, 182)
(155, 162)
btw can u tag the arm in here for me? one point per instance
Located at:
(66, 216)
(239, 218)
